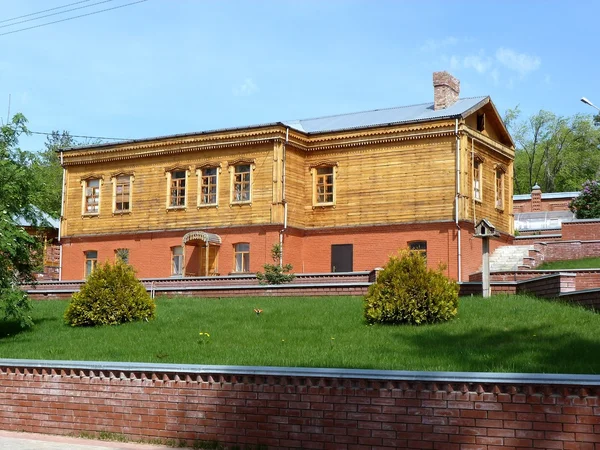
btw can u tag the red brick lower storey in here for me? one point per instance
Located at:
(309, 251)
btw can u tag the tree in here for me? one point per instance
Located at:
(276, 273)
(556, 152)
(587, 205)
(20, 253)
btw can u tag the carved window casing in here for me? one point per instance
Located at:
(122, 192)
(177, 187)
(500, 173)
(478, 178)
(324, 176)
(241, 181)
(92, 185)
(208, 184)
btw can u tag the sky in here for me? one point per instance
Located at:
(161, 67)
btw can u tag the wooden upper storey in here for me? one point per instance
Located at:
(379, 175)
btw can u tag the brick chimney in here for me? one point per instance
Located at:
(536, 198)
(445, 90)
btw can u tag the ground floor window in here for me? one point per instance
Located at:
(419, 246)
(122, 254)
(177, 260)
(91, 260)
(241, 256)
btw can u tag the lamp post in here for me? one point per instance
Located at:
(587, 102)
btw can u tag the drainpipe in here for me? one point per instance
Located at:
(456, 201)
(285, 205)
(62, 211)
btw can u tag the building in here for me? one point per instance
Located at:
(340, 193)
(47, 230)
(542, 213)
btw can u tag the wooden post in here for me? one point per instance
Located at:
(485, 271)
(206, 250)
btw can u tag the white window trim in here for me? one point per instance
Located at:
(499, 169)
(231, 169)
(84, 182)
(313, 172)
(168, 173)
(199, 170)
(478, 180)
(113, 180)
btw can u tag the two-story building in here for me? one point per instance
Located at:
(340, 193)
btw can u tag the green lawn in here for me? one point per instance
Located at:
(501, 334)
(585, 263)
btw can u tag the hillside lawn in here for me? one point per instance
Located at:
(501, 334)
(584, 263)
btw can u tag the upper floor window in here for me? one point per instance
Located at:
(477, 166)
(177, 260)
(91, 196)
(499, 188)
(122, 193)
(208, 186)
(241, 183)
(91, 260)
(241, 256)
(324, 175)
(177, 182)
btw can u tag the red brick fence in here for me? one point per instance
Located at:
(302, 408)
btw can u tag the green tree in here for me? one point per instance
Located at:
(558, 153)
(276, 273)
(587, 205)
(20, 252)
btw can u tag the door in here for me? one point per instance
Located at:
(341, 257)
(213, 253)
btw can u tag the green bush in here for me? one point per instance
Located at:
(406, 291)
(111, 295)
(275, 273)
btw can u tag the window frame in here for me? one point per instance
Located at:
(233, 165)
(413, 246)
(181, 257)
(200, 173)
(169, 176)
(115, 183)
(88, 259)
(477, 177)
(85, 181)
(499, 175)
(119, 252)
(245, 258)
(314, 170)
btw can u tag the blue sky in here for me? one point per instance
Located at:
(175, 66)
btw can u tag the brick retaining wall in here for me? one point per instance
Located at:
(302, 408)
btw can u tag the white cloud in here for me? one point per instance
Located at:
(432, 45)
(480, 62)
(248, 87)
(521, 63)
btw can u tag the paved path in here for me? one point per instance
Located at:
(29, 441)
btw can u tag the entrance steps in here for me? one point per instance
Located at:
(510, 257)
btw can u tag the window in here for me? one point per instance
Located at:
(91, 260)
(208, 186)
(241, 255)
(481, 122)
(499, 188)
(418, 246)
(325, 185)
(92, 196)
(241, 183)
(177, 260)
(122, 193)
(477, 180)
(122, 254)
(324, 175)
(177, 191)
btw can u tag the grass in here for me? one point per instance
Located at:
(501, 334)
(584, 263)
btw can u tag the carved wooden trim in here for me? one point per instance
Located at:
(92, 176)
(123, 173)
(177, 167)
(242, 161)
(478, 158)
(209, 165)
(321, 164)
(500, 166)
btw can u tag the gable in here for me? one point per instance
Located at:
(494, 127)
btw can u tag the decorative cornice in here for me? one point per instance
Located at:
(242, 161)
(321, 164)
(208, 165)
(92, 176)
(177, 167)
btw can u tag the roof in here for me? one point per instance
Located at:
(423, 112)
(547, 196)
(45, 221)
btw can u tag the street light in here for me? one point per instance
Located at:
(587, 102)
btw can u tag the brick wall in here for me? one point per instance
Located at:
(302, 408)
(585, 230)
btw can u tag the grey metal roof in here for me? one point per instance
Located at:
(45, 221)
(365, 119)
(548, 195)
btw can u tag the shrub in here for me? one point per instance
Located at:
(111, 295)
(406, 291)
(275, 273)
(587, 205)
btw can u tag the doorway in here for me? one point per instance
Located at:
(341, 257)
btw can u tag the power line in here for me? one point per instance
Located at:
(45, 10)
(72, 18)
(54, 14)
(81, 136)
